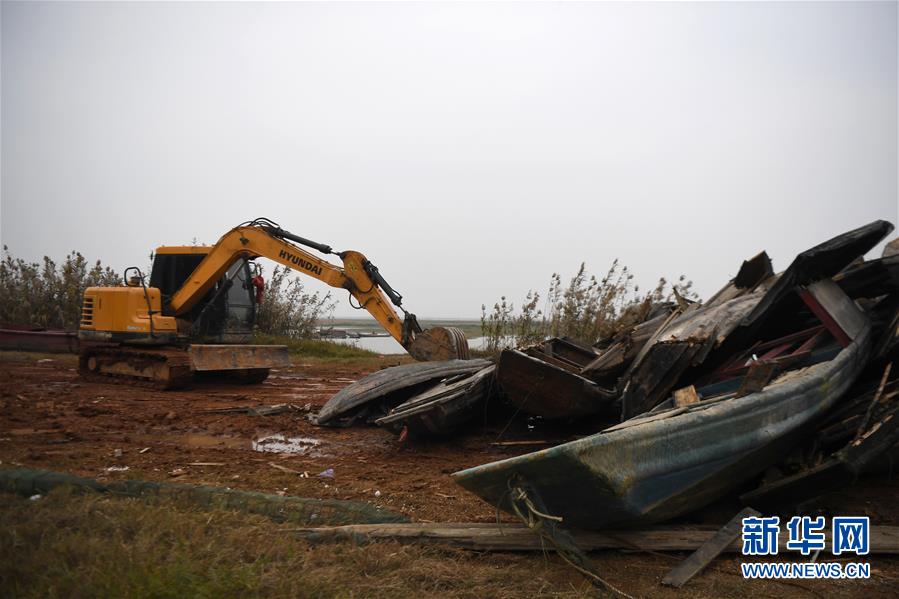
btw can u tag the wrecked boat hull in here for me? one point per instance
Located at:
(669, 463)
(543, 389)
(392, 386)
(444, 407)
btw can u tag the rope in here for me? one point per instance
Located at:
(545, 525)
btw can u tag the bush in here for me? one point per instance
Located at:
(287, 309)
(587, 308)
(46, 295)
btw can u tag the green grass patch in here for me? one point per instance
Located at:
(71, 545)
(316, 348)
(471, 328)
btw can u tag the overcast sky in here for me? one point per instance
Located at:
(469, 150)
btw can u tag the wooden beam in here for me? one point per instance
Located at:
(516, 537)
(708, 551)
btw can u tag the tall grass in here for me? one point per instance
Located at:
(47, 294)
(586, 308)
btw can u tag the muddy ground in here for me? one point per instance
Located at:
(51, 419)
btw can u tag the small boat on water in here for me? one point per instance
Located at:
(675, 459)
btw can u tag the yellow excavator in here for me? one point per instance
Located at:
(198, 312)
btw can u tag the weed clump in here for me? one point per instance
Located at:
(587, 308)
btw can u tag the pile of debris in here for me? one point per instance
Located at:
(790, 370)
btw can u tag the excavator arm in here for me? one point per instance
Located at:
(358, 276)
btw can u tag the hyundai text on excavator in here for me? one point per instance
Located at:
(198, 312)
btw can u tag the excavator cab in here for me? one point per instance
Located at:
(228, 311)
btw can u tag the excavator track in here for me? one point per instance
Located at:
(160, 369)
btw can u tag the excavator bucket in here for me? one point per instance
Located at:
(440, 343)
(237, 357)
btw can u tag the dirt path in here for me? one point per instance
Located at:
(51, 419)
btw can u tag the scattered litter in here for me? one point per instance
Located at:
(44, 360)
(35, 497)
(117, 468)
(257, 410)
(284, 468)
(329, 473)
(117, 453)
(144, 450)
(178, 472)
(282, 444)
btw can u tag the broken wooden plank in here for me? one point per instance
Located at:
(286, 469)
(516, 443)
(708, 551)
(273, 410)
(874, 401)
(685, 397)
(758, 376)
(844, 321)
(517, 537)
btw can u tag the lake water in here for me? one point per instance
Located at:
(389, 345)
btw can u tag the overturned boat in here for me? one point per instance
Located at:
(373, 396)
(444, 407)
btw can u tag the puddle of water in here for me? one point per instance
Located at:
(283, 444)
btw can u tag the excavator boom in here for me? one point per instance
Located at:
(357, 275)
